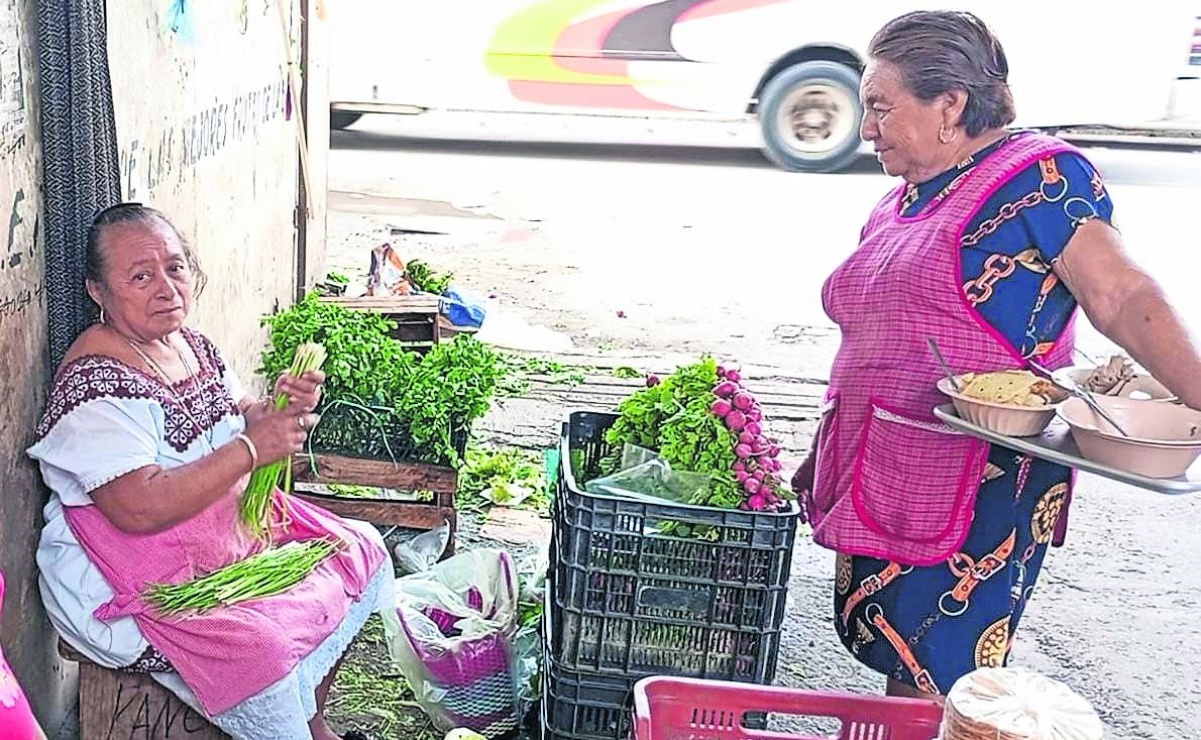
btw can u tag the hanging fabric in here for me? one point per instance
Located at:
(80, 170)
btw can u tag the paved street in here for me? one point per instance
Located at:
(644, 250)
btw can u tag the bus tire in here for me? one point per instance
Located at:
(809, 114)
(340, 119)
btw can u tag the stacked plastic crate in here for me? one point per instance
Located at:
(640, 589)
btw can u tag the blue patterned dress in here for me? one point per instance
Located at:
(946, 620)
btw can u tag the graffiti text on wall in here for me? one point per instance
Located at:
(165, 156)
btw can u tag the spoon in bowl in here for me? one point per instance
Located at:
(945, 367)
(1064, 381)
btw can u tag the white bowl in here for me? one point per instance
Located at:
(1164, 442)
(1003, 418)
(1141, 386)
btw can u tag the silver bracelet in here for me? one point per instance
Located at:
(254, 453)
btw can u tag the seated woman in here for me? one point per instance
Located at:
(146, 443)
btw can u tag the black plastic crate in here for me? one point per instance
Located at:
(640, 646)
(582, 706)
(585, 705)
(630, 600)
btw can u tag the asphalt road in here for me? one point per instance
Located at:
(703, 246)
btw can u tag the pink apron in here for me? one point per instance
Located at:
(891, 481)
(16, 718)
(231, 653)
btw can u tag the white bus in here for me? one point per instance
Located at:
(792, 65)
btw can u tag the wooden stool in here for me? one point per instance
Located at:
(119, 705)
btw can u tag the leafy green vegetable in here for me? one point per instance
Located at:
(379, 395)
(451, 387)
(626, 372)
(426, 280)
(674, 419)
(364, 362)
(502, 467)
(346, 490)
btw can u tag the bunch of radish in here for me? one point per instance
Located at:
(757, 468)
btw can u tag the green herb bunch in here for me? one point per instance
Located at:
(364, 363)
(378, 395)
(451, 387)
(266, 573)
(426, 280)
(673, 418)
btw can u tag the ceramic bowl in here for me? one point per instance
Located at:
(1141, 386)
(1003, 418)
(1164, 442)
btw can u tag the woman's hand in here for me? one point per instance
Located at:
(276, 433)
(304, 392)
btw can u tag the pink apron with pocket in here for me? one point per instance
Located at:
(231, 653)
(891, 480)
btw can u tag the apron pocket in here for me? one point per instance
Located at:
(915, 478)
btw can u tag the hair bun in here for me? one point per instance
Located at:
(1017, 704)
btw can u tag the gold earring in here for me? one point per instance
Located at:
(943, 136)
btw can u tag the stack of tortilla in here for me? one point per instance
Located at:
(1017, 704)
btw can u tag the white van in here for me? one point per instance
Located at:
(793, 65)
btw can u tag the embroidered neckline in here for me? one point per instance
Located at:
(92, 377)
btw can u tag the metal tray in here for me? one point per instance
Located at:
(1056, 444)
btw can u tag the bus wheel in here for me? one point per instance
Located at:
(809, 114)
(339, 119)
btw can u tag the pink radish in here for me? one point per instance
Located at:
(721, 408)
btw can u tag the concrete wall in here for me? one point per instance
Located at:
(208, 135)
(24, 632)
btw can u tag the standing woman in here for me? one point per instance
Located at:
(988, 246)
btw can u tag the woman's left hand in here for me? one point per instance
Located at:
(303, 392)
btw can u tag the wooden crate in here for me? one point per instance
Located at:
(416, 316)
(119, 705)
(400, 476)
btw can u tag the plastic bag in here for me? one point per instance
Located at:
(419, 554)
(387, 274)
(643, 475)
(527, 644)
(458, 621)
(462, 309)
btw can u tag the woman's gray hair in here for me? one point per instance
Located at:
(940, 51)
(124, 213)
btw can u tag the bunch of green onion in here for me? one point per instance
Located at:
(269, 572)
(256, 500)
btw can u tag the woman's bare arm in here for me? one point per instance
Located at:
(1126, 305)
(153, 499)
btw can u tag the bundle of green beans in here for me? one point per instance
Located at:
(256, 500)
(270, 572)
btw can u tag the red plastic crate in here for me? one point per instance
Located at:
(699, 709)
